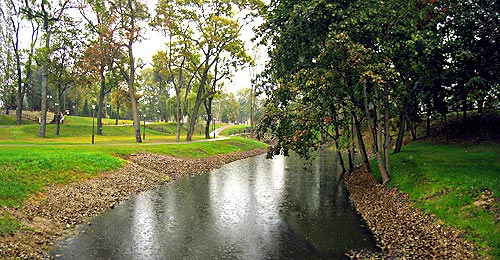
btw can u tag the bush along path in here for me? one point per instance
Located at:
(51, 214)
(401, 231)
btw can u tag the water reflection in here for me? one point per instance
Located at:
(251, 209)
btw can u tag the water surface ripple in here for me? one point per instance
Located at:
(255, 208)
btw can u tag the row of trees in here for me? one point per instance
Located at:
(88, 46)
(339, 66)
(226, 107)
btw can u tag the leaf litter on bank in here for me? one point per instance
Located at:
(402, 231)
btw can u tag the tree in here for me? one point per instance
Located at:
(227, 107)
(471, 38)
(65, 52)
(130, 14)
(102, 52)
(47, 15)
(119, 97)
(155, 92)
(213, 31)
(13, 21)
(9, 28)
(332, 57)
(244, 97)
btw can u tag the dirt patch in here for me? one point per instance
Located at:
(402, 231)
(50, 215)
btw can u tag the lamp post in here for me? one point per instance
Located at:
(213, 118)
(93, 108)
(144, 128)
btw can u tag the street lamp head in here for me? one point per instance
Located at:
(108, 106)
(93, 106)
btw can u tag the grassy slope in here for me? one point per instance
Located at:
(29, 164)
(79, 130)
(11, 120)
(446, 180)
(233, 129)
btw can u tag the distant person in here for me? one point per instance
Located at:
(7, 108)
(61, 118)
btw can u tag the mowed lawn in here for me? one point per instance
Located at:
(79, 130)
(29, 164)
(446, 180)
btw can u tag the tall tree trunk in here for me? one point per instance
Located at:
(337, 136)
(413, 130)
(197, 103)
(208, 108)
(382, 163)
(45, 81)
(252, 98)
(131, 78)
(350, 152)
(58, 112)
(374, 135)
(102, 94)
(387, 143)
(192, 121)
(402, 126)
(361, 142)
(178, 113)
(20, 85)
(117, 113)
(350, 160)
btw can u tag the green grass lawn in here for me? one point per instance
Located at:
(79, 130)
(446, 180)
(6, 120)
(234, 129)
(29, 164)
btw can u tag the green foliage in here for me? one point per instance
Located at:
(446, 180)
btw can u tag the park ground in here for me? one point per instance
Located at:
(453, 186)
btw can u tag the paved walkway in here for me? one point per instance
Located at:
(218, 130)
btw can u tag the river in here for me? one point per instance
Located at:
(284, 208)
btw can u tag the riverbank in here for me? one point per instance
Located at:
(401, 230)
(53, 213)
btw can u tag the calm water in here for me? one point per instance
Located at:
(283, 208)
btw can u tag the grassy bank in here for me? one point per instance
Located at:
(79, 130)
(29, 164)
(454, 182)
(234, 129)
(27, 169)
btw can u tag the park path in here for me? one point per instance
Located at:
(218, 130)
